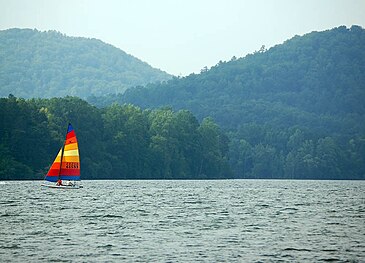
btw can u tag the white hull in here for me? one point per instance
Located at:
(62, 186)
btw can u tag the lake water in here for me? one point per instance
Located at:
(184, 221)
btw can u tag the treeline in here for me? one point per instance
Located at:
(49, 64)
(259, 151)
(117, 142)
(294, 111)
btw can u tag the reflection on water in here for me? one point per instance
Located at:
(185, 221)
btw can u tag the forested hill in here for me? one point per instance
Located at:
(294, 111)
(50, 64)
(321, 73)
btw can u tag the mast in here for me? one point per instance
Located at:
(63, 149)
(59, 171)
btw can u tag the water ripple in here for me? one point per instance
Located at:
(184, 221)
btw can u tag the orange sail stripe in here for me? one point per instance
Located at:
(70, 159)
(71, 146)
(71, 140)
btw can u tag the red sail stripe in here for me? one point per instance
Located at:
(70, 135)
(53, 172)
(70, 172)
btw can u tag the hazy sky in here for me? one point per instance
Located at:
(182, 37)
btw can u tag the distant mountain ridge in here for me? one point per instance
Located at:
(316, 64)
(51, 64)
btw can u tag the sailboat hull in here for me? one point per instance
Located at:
(62, 186)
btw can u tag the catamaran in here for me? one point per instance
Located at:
(64, 173)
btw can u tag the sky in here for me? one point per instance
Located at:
(183, 36)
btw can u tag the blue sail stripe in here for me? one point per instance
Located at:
(63, 177)
(70, 128)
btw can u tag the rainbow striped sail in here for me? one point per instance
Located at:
(66, 166)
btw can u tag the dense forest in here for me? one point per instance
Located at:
(117, 142)
(294, 111)
(50, 64)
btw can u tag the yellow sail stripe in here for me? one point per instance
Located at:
(58, 157)
(71, 153)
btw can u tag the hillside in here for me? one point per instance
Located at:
(294, 111)
(50, 64)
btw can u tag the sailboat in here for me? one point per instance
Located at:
(65, 170)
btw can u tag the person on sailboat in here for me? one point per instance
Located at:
(59, 182)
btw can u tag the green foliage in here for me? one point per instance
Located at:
(117, 142)
(294, 111)
(50, 64)
(24, 136)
